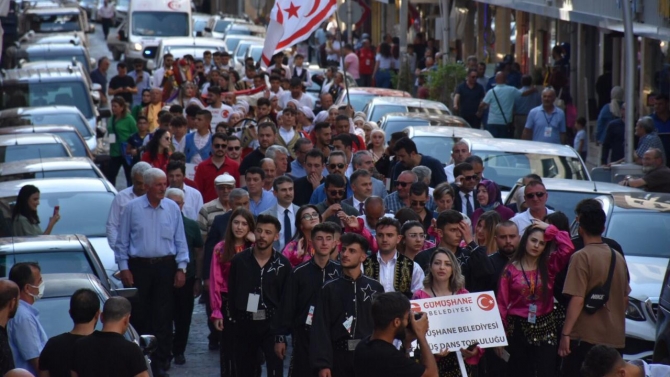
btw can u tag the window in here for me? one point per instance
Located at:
(161, 24)
(196, 52)
(641, 233)
(392, 126)
(64, 93)
(58, 320)
(50, 23)
(28, 152)
(221, 26)
(75, 143)
(358, 101)
(379, 111)
(50, 56)
(74, 120)
(434, 146)
(80, 173)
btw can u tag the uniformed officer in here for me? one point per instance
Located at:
(342, 316)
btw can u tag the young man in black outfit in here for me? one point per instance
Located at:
(299, 301)
(9, 304)
(256, 283)
(342, 316)
(107, 353)
(376, 355)
(84, 311)
(123, 85)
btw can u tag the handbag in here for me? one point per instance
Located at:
(558, 102)
(598, 296)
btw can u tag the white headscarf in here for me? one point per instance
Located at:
(616, 96)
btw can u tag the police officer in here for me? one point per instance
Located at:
(256, 282)
(299, 301)
(343, 312)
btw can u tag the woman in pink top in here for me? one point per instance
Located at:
(239, 236)
(300, 249)
(444, 278)
(526, 301)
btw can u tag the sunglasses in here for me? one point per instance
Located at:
(234, 148)
(532, 195)
(339, 166)
(336, 192)
(471, 177)
(417, 203)
(310, 217)
(402, 184)
(219, 146)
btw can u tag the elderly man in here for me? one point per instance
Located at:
(152, 254)
(459, 152)
(547, 122)
(423, 174)
(373, 210)
(270, 169)
(123, 197)
(648, 139)
(176, 172)
(280, 155)
(500, 102)
(300, 150)
(656, 175)
(225, 183)
(400, 198)
(363, 160)
(536, 196)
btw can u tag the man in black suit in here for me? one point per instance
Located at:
(465, 200)
(238, 198)
(305, 186)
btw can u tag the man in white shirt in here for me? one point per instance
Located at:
(157, 81)
(297, 94)
(278, 60)
(220, 111)
(176, 172)
(106, 15)
(459, 152)
(122, 198)
(536, 196)
(285, 211)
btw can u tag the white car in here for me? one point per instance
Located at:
(240, 52)
(179, 47)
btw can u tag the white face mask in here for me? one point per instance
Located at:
(40, 291)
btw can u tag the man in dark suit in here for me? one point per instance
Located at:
(465, 198)
(361, 185)
(335, 189)
(305, 186)
(238, 198)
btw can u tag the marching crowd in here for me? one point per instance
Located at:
(287, 229)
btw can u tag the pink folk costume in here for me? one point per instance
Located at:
(448, 366)
(297, 253)
(532, 337)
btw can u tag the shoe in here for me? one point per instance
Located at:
(179, 359)
(213, 345)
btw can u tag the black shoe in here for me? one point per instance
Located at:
(179, 359)
(213, 345)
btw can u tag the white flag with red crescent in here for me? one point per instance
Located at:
(293, 21)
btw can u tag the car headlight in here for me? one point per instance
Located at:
(137, 47)
(634, 310)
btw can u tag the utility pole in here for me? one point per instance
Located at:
(350, 23)
(629, 78)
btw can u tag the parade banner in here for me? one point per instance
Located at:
(462, 320)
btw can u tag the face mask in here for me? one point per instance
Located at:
(40, 291)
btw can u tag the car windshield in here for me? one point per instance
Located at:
(238, 32)
(76, 216)
(197, 52)
(80, 173)
(75, 261)
(58, 320)
(358, 101)
(256, 53)
(64, 93)
(626, 227)
(380, 110)
(242, 49)
(12, 153)
(50, 56)
(160, 24)
(222, 25)
(123, 3)
(51, 23)
(231, 43)
(61, 119)
(199, 26)
(76, 144)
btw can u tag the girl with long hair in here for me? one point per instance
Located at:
(188, 95)
(239, 236)
(119, 128)
(485, 231)
(526, 301)
(300, 249)
(377, 143)
(384, 63)
(489, 198)
(413, 239)
(25, 221)
(146, 99)
(158, 152)
(444, 278)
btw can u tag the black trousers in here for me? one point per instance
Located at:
(115, 163)
(300, 366)
(153, 307)
(573, 362)
(227, 342)
(527, 360)
(365, 80)
(249, 337)
(106, 24)
(183, 312)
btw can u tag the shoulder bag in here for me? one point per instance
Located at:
(598, 296)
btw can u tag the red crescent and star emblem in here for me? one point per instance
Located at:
(485, 302)
(316, 6)
(292, 11)
(416, 308)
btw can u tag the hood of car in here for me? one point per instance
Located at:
(646, 276)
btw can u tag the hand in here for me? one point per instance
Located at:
(537, 224)
(280, 350)
(468, 354)
(459, 180)
(251, 237)
(466, 232)
(197, 288)
(444, 353)
(53, 220)
(218, 324)
(564, 346)
(127, 278)
(179, 279)
(419, 326)
(325, 373)
(349, 221)
(332, 210)
(315, 180)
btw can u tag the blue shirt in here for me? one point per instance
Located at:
(319, 195)
(506, 95)
(392, 203)
(98, 77)
(267, 200)
(604, 118)
(26, 336)
(546, 127)
(523, 105)
(297, 170)
(148, 232)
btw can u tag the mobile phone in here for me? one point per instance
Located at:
(472, 346)
(417, 316)
(56, 210)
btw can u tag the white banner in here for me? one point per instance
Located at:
(459, 321)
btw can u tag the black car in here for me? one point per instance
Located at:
(55, 305)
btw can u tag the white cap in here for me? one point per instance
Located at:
(224, 179)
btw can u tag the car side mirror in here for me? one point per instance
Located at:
(95, 96)
(92, 62)
(148, 344)
(104, 113)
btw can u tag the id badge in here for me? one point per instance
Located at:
(347, 323)
(258, 315)
(310, 315)
(252, 302)
(111, 138)
(352, 343)
(547, 131)
(532, 313)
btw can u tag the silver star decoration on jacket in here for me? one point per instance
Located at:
(276, 265)
(334, 275)
(368, 292)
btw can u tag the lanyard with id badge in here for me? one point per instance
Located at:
(350, 323)
(548, 128)
(532, 308)
(254, 300)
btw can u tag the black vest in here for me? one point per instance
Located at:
(402, 274)
(303, 75)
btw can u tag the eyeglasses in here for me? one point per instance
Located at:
(234, 148)
(402, 184)
(219, 146)
(310, 216)
(339, 166)
(531, 195)
(473, 177)
(336, 192)
(417, 203)
(417, 235)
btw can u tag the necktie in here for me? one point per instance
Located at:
(468, 206)
(287, 228)
(361, 208)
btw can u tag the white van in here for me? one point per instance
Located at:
(149, 21)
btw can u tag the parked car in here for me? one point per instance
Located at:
(240, 51)
(58, 167)
(25, 147)
(50, 52)
(69, 134)
(380, 106)
(361, 96)
(394, 122)
(231, 41)
(57, 18)
(195, 47)
(218, 24)
(437, 141)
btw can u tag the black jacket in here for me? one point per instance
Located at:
(214, 236)
(303, 191)
(458, 202)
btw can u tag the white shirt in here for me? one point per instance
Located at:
(286, 69)
(222, 114)
(192, 202)
(179, 145)
(524, 219)
(280, 217)
(471, 199)
(357, 204)
(200, 142)
(286, 135)
(157, 78)
(386, 271)
(106, 11)
(449, 171)
(113, 221)
(304, 99)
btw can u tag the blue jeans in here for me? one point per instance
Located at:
(499, 131)
(383, 78)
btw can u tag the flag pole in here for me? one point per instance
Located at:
(339, 35)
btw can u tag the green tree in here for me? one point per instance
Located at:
(442, 82)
